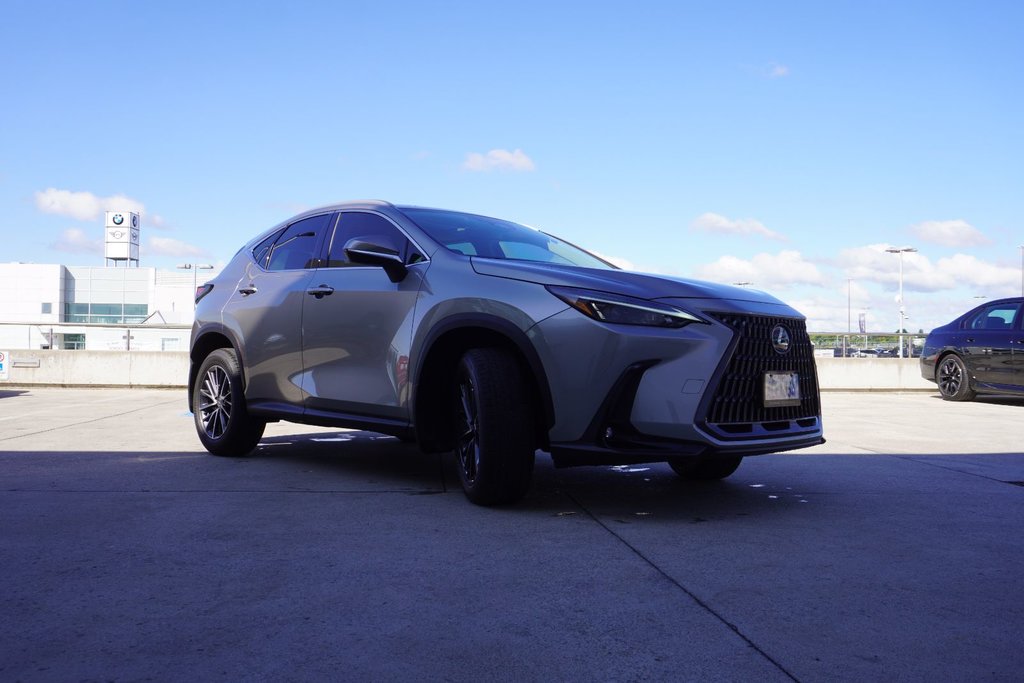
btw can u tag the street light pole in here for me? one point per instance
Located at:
(899, 328)
(1022, 270)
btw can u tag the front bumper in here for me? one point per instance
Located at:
(692, 392)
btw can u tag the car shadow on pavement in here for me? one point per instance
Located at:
(361, 455)
(993, 399)
(11, 393)
(627, 493)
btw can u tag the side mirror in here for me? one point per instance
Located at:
(377, 251)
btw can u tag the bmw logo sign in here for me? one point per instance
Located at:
(118, 219)
(135, 221)
(780, 339)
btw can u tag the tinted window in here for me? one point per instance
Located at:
(296, 248)
(470, 234)
(262, 250)
(995, 317)
(369, 227)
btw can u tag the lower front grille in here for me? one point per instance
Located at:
(739, 397)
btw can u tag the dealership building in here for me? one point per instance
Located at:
(119, 306)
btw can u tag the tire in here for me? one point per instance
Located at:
(706, 469)
(218, 403)
(953, 379)
(494, 427)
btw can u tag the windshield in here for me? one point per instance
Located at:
(473, 235)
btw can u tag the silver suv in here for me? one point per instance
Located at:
(491, 339)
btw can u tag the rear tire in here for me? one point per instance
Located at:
(953, 379)
(218, 403)
(706, 469)
(494, 427)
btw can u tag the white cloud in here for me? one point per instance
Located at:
(956, 233)
(84, 206)
(873, 264)
(165, 246)
(713, 222)
(774, 70)
(764, 270)
(75, 241)
(498, 159)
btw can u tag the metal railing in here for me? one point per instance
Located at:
(94, 336)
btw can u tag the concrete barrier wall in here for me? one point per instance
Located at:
(170, 369)
(98, 368)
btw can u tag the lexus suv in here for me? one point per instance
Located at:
(491, 339)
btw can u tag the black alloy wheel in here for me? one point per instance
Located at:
(953, 380)
(706, 469)
(493, 422)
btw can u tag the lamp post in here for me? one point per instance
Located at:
(899, 328)
(194, 267)
(1022, 270)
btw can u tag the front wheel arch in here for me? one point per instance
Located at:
(445, 346)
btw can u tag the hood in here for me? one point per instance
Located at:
(639, 285)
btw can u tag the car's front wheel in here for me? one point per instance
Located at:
(706, 469)
(953, 380)
(218, 403)
(494, 434)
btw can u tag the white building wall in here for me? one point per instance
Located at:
(26, 288)
(82, 294)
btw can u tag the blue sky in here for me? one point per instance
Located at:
(783, 144)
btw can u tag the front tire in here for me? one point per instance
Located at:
(953, 380)
(706, 469)
(494, 430)
(218, 403)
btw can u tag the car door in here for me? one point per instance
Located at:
(989, 337)
(357, 324)
(266, 312)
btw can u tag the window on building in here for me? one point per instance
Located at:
(74, 341)
(47, 308)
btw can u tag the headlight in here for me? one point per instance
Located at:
(623, 310)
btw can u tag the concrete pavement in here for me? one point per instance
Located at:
(892, 552)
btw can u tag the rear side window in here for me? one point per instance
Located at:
(262, 250)
(296, 248)
(995, 317)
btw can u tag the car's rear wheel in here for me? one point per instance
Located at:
(218, 403)
(494, 435)
(953, 380)
(706, 469)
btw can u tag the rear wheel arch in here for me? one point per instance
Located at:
(204, 345)
(435, 376)
(953, 377)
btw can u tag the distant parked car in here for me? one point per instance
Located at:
(979, 352)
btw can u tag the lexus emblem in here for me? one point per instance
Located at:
(780, 339)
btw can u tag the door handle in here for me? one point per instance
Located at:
(247, 290)
(321, 291)
(969, 341)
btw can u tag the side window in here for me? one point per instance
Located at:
(262, 250)
(370, 227)
(296, 248)
(998, 317)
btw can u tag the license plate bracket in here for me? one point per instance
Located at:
(781, 389)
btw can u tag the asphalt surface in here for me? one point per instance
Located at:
(894, 552)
